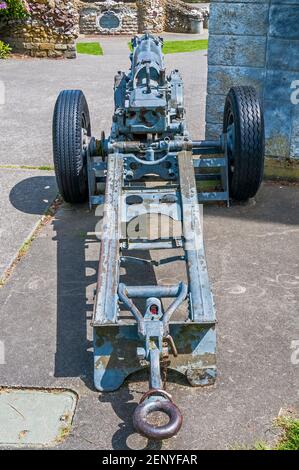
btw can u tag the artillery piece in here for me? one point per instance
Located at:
(150, 165)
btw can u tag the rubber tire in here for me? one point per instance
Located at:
(247, 157)
(70, 115)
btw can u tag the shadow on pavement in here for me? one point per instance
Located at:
(123, 404)
(33, 195)
(78, 247)
(77, 265)
(274, 203)
(74, 228)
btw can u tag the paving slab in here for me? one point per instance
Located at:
(32, 86)
(252, 252)
(35, 417)
(25, 196)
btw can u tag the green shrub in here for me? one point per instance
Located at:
(4, 50)
(14, 9)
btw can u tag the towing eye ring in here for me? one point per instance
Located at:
(150, 403)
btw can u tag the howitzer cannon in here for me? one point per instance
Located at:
(150, 165)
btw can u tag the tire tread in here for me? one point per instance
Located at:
(68, 111)
(249, 142)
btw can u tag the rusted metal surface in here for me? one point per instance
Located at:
(203, 308)
(115, 355)
(106, 304)
(156, 401)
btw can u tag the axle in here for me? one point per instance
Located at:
(165, 146)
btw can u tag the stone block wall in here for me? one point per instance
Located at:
(95, 17)
(179, 16)
(54, 25)
(151, 15)
(50, 31)
(125, 17)
(257, 43)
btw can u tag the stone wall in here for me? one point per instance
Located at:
(108, 17)
(50, 31)
(124, 17)
(182, 17)
(53, 25)
(151, 15)
(257, 43)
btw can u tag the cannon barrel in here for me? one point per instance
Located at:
(147, 60)
(147, 103)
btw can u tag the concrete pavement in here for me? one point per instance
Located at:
(25, 196)
(32, 86)
(251, 250)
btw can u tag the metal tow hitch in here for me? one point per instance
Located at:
(154, 329)
(157, 400)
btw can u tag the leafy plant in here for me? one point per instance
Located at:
(16, 9)
(290, 438)
(4, 50)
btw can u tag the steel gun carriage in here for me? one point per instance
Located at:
(149, 164)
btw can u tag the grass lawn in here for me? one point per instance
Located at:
(91, 48)
(174, 47)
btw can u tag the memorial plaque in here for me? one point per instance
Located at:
(109, 20)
